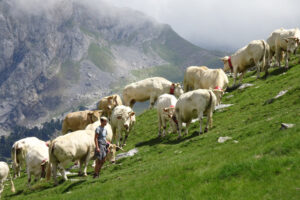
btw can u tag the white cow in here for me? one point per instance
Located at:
(122, 119)
(37, 159)
(77, 145)
(283, 41)
(204, 78)
(19, 151)
(4, 172)
(194, 104)
(256, 53)
(150, 88)
(165, 110)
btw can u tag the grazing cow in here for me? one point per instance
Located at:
(19, 152)
(4, 172)
(205, 78)
(78, 145)
(283, 41)
(107, 104)
(122, 119)
(36, 161)
(79, 120)
(256, 53)
(165, 110)
(150, 88)
(194, 104)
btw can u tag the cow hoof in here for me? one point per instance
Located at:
(205, 130)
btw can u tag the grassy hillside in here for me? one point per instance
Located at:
(264, 164)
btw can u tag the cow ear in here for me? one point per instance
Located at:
(132, 113)
(224, 58)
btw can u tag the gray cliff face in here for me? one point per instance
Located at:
(54, 60)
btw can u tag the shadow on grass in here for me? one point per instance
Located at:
(73, 185)
(15, 194)
(232, 88)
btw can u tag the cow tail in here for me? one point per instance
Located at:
(13, 189)
(14, 157)
(264, 56)
(51, 157)
(210, 100)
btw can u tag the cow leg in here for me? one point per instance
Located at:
(278, 56)
(126, 136)
(179, 127)
(164, 127)
(118, 133)
(80, 167)
(152, 101)
(209, 121)
(200, 116)
(1, 187)
(258, 70)
(29, 177)
(63, 174)
(234, 76)
(54, 171)
(186, 131)
(159, 125)
(241, 77)
(287, 60)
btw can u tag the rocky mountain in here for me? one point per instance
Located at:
(64, 55)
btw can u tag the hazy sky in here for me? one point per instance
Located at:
(220, 24)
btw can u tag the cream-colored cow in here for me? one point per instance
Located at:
(78, 145)
(122, 119)
(20, 150)
(204, 78)
(4, 173)
(256, 53)
(283, 41)
(150, 88)
(107, 104)
(194, 104)
(79, 120)
(165, 110)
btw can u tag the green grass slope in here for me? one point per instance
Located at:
(264, 164)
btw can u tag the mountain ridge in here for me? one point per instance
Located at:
(62, 56)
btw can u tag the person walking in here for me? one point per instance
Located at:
(101, 148)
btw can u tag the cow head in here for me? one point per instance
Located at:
(178, 90)
(112, 102)
(94, 116)
(170, 113)
(226, 68)
(292, 44)
(128, 119)
(219, 93)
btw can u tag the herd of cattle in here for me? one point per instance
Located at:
(203, 89)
